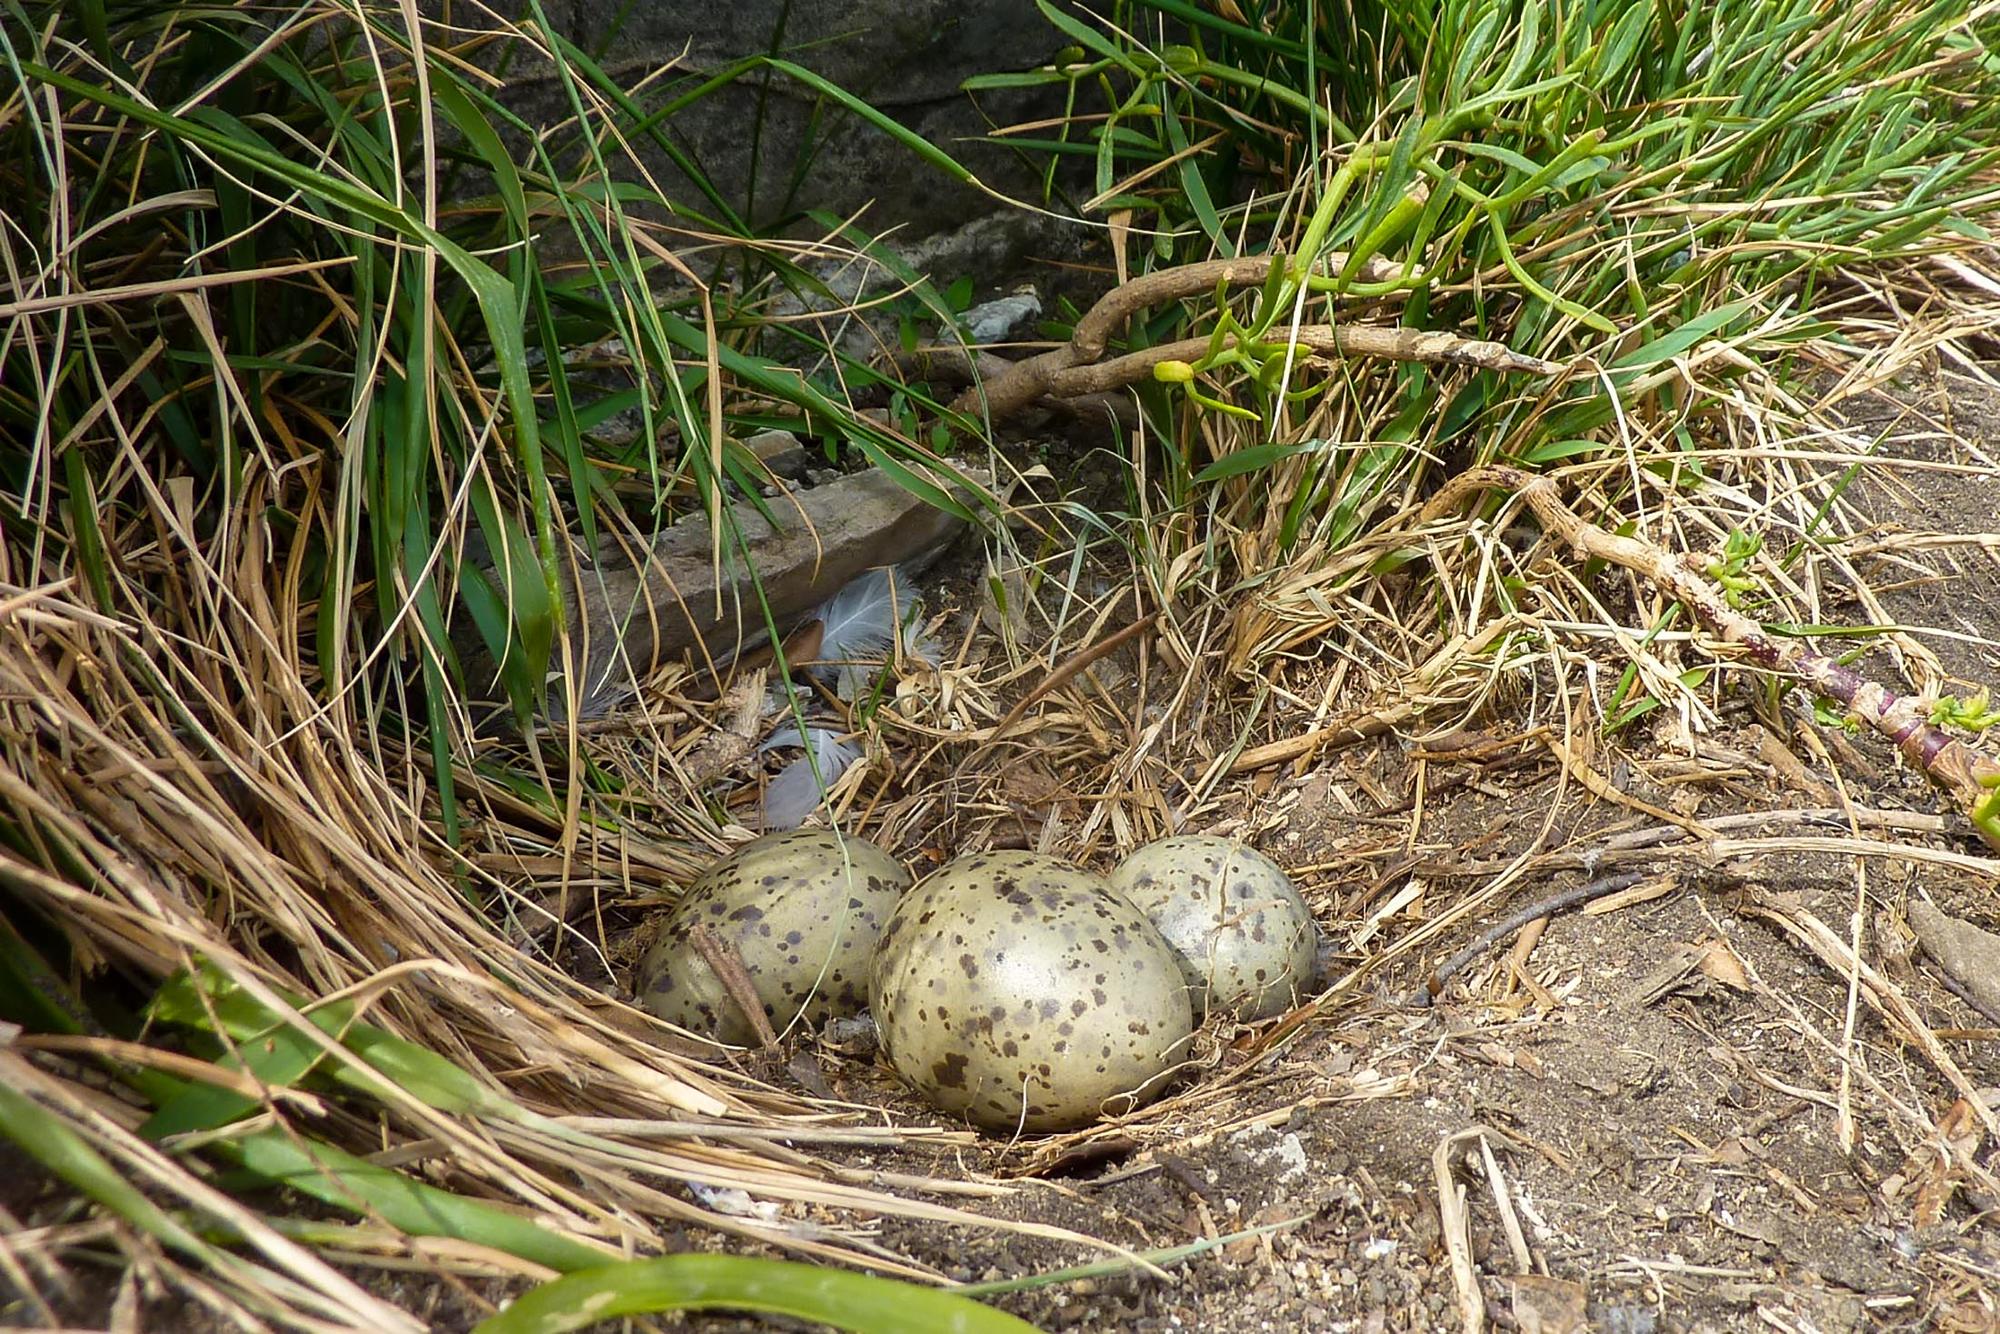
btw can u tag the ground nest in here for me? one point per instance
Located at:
(1685, 1100)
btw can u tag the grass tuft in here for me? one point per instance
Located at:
(1695, 211)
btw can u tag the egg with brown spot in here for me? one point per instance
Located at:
(802, 908)
(1244, 937)
(1064, 1032)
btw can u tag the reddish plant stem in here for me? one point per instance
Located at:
(1965, 772)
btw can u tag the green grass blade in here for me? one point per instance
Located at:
(1193, 187)
(1088, 38)
(336, 1177)
(1204, 16)
(48, 1139)
(834, 1297)
(1668, 346)
(888, 125)
(1255, 458)
(209, 995)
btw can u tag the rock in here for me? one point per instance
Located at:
(1544, 1305)
(1281, 1155)
(780, 451)
(1626, 1318)
(992, 321)
(1971, 955)
(846, 306)
(906, 58)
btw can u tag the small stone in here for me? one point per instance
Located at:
(1282, 1154)
(780, 451)
(992, 321)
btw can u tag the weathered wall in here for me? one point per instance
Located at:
(906, 57)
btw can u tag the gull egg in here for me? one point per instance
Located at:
(803, 909)
(1244, 937)
(1021, 993)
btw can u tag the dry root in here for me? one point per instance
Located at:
(1073, 370)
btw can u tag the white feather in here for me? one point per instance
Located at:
(796, 792)
(859, 622)
(923, 647)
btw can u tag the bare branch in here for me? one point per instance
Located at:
(1074, 369)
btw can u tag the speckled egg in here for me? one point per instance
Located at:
(803, 908)
(1244, 937)
(1021, 993)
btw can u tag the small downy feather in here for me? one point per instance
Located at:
(860, 620)
(859, 624)
(796, 793)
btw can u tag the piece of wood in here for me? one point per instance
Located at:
(632, 610)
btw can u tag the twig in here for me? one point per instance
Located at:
(1072, 370)
(1499, 931)
(1717, 849)
(1021, 384)
(1647, 843)
(1524, 948)
(1970, 776)
(1075, 663)
(1966, 994)
(1604, 788)
(1722, 849)
(1862, 817)
(727, 965)
(1103, 320)
(1353, 728)
(1883, 996)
